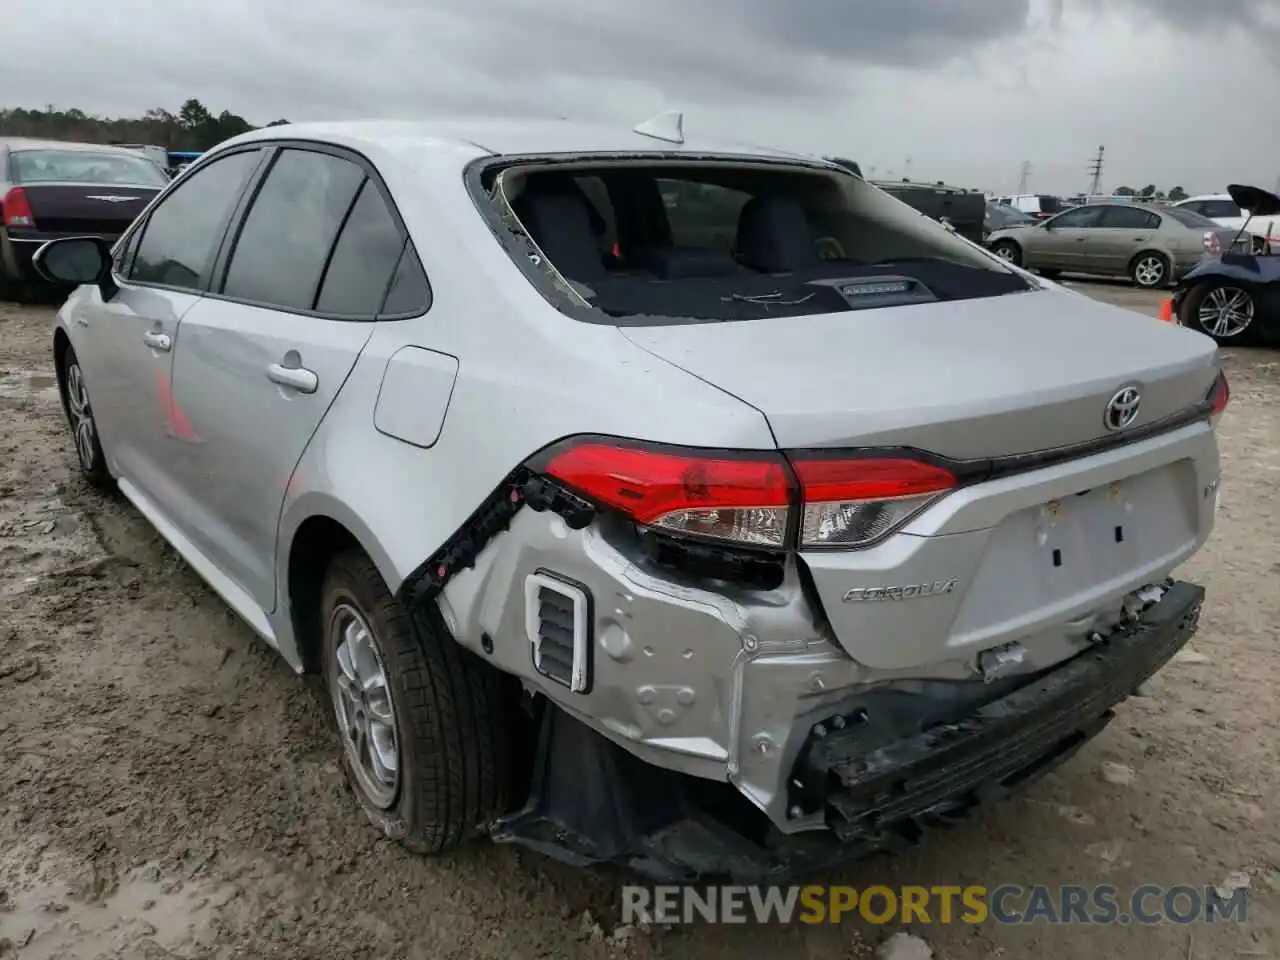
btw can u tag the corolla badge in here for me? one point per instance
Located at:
(1122, 408)
(906, 591)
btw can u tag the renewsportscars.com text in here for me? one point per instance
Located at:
(1005, 904)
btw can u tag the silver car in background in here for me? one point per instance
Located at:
(642, 499)
(1151, 245)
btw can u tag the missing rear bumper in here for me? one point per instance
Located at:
(593, 802)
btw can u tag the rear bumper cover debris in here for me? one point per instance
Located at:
(593, 802)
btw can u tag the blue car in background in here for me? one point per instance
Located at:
(182, 158)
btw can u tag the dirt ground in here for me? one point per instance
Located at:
(168, 788)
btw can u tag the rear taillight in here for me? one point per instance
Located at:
(1219, 397)
(1211, 243)
(745, 499)
(749, 498)
(17, 211)
(852, 502)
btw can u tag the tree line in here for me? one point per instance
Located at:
(193, 127)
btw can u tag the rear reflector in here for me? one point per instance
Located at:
(17, 210)
(747, 498)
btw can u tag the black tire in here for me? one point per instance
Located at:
(9, 292)
(74, 391)
(1228, 293)
(1050, 274)
(448, 709)
(1150, 270)
(1008, 250)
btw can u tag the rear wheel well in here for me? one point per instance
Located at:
(315, 544)
(61, 344)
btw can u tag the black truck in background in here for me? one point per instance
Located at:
(964, 209)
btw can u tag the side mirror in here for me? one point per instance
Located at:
(76, 260)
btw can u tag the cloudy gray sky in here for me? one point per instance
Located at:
(964, 90)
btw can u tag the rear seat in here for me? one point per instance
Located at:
(685, 263)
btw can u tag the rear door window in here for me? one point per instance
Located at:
(184, 229)
(410, 294)
(1078, 218)
(1129, 218)
(284, 242)
(364, 258)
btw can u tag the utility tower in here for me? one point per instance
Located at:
(1095, 170)
(1024, 176)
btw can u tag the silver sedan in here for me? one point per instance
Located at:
(1149, 244)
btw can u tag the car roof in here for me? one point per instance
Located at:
(32, 143)
(509, 137)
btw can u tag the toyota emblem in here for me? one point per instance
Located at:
(1122, 408)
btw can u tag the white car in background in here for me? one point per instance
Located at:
(1222, 210)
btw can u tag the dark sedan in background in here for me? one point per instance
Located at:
(52, 189)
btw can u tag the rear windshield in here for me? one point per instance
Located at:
(1188, 218)
(83, 166)
(637, 242)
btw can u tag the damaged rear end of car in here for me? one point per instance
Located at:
(951, 567)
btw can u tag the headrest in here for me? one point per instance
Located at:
(559, 221)
(774, 234)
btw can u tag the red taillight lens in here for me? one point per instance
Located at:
(747, 498)
(17, 211)
(852, 502)
(743, 499)
(1220, 396)
(1211, 243)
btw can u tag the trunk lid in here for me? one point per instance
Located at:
(990, 377)
(85, 208)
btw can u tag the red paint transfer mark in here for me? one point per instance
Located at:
(175, 419)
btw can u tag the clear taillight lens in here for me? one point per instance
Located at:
(854, 502)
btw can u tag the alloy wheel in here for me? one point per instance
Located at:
(1226, 312)
(363, 705)
(1149, 271)
(82, 425)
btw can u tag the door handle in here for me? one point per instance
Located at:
(295, 378)
(157, 341)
